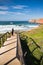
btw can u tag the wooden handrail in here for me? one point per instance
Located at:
(4, 37)
(19, 50)
(35, 42)
(4, 34)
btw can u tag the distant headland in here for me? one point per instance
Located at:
(37, 20)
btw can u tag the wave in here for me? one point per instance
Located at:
(5, 28)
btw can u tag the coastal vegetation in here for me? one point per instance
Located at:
(3, 38)
(32, 45)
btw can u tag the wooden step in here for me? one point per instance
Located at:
(11, 41)
(7, 48)
(4, 58)
(12, 37)
(15, 62)
(8, 52)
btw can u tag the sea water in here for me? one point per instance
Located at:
(16, 25)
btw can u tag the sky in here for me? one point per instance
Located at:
(20, 10)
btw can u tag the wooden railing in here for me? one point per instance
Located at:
(19, 50)
(33, 42)
(4, 37)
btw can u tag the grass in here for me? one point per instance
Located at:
(34, 46)
(35, 51)
(36, 34)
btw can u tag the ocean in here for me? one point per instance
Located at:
(16, 25)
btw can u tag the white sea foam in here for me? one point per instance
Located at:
(5, 28)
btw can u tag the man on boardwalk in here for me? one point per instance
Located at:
(12, 31)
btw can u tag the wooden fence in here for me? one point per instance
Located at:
(4, 37)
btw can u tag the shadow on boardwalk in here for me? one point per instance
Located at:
(28, 55)
(10, 61)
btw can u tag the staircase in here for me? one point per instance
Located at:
(8, 52)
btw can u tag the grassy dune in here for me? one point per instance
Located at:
(32, 43)
(36, 34)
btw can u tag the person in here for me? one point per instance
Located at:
(12, 31)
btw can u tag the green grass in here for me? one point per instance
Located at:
(35, 51)
(36, 34)
(33, 47)
(37, 54)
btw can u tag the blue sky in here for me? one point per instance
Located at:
(20, 10)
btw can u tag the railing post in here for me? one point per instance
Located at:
(1, 42)
(41, 61)
(6, 36)
(10, 34)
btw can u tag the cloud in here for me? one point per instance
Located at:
(15, 13)
(19, 13)
(3, 7)
(11, 13)
(8, 13)
(19, 7)
(3, 12)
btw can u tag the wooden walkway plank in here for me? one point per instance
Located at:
(7, 56)
(8, 47)
(15, 62)
(8, 52)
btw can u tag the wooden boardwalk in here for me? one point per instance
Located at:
(8, 52)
